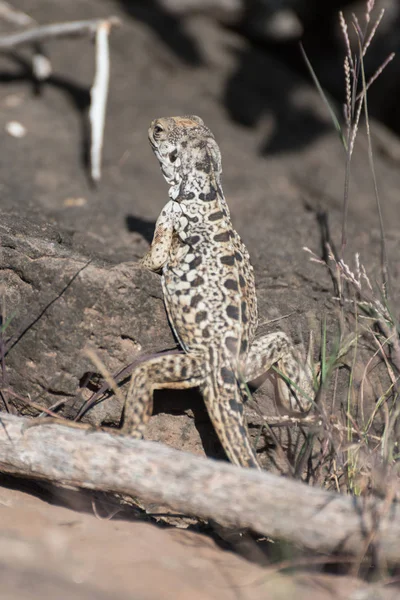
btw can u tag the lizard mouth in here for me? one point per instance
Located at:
(152, 144)
(167, 174)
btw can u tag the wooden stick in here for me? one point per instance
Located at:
(44, 33)
(14, 16)
(98, 93)
(268, 504)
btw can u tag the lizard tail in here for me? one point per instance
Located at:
(224, 403)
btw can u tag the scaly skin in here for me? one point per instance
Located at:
(209, 293)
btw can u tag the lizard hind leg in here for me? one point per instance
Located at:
(276, 349)
(225, 408)
(173, 371)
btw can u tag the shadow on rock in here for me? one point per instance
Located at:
(253, 91)
(169, 29)
(141, 226)
(260, 87)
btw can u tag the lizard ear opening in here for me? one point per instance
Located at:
(173, 155)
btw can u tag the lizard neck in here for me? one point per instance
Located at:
(201, 196)
(198, 177)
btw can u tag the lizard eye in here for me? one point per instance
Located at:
(158, 129)
(173, 156)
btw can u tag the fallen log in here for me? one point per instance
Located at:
(268, 504)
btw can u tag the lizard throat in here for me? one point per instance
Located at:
(203, 188)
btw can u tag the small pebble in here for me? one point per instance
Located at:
(15, 129)
(74, 201)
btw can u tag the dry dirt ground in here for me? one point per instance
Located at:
(49, 551)
(283, 167)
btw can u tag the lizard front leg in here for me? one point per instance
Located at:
(157, 256)
(277, 349)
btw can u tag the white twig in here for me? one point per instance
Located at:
(98, 95)
(14, 16)
(56, 30)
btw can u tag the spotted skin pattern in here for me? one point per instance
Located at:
(209, 293)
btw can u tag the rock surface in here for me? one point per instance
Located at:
(50, 551)
(279, 171)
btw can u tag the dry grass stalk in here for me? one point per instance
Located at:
(371, 438)
(356, 97)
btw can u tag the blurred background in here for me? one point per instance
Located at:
(237, 64)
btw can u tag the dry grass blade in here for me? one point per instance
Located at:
(384, 258)
(332, 113)
(35, 405)
(100, 366)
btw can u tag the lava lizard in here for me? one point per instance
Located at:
(209, 293)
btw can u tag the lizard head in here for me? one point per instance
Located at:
(185, 147)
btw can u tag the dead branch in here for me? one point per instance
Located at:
(14, 16)
(44, 33)
(98, 93)
(234, 497)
